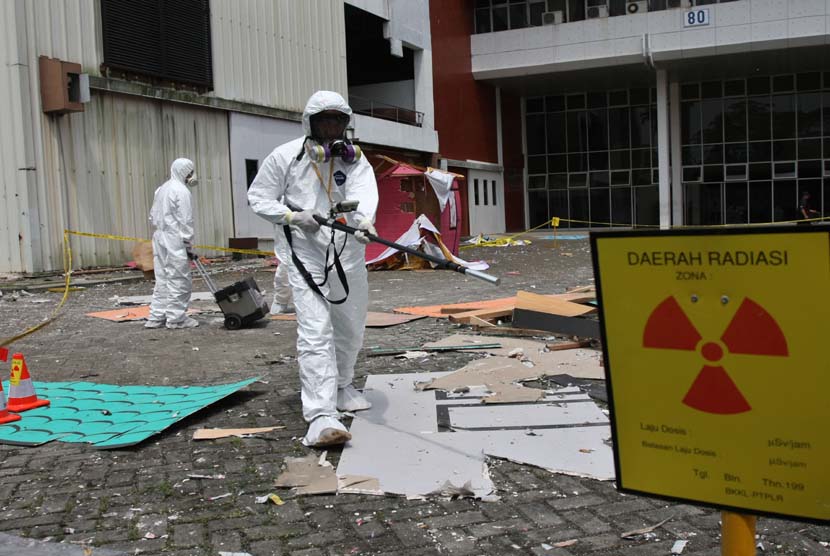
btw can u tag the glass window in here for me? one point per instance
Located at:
(597, 100)
(579, 205)
(578, 162)
(691, 156)
(809, 115)
(734, 88)
(518, 16)
(785, 200)
(703, 204)
(760, 201)
(599, 179)
(537, 165)
(734, 119)
(533, 105)
(690, 91)
(757, 85)
(555, 103)
(500, 19)
(639, 96)
(576, 102)
(760, 152)
(647, 203)
(600, 207)
(690, 132)
(712, 89)
(556, 133)
(783, 150)
(557, 181)
(621, 178)
(621, 160)
(713, 173)
(735, 172)
(577, 180)
(537, 207)
(692, 173)
(618, 98)
(782, 83)
(640, 126)
(598, 160)
(783, 116)
(475, 192)
(809, 81)
(483, 20)
(760, 171)
(713, 154)
(535, 129)
(826, 119)
(641, 177)
(536, 11)
(760, 123)
(641, 158)
(735, 153)
(712, 121)
(536, 182)
(621, 206)
(737, 203)
(558, 163)
(577, 132)
(809, 169)
(558, 204)
(809, 148)
(618, 128)
(597, 130)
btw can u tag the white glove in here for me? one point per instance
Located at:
(365, 226)
(304, 220)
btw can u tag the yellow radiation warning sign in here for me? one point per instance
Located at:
(716, 354)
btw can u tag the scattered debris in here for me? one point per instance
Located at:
(195, 476)
(221, 553)
(453, 492)
(308, 475)
(213, 434)
(678, 546)
(639, 532)
(212, 498)
(273, 498)
(373, 319)
(396, 351)
(564, 544)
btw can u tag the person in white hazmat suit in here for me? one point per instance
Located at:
(172, 217)
(308, 174)
(282, 290)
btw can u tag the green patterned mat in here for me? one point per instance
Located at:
(106, 415)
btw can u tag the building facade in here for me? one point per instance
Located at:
(663, 112)
(219, 81)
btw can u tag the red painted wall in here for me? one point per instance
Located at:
(465, 110)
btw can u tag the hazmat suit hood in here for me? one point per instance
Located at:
(180, 169)
(320, 102)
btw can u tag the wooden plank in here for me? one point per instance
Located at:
(571, 326)
(456, 310)
(577, 297)
(568, 345)
(485, 314)
(582, 289)
(551, 305)
(479, 322)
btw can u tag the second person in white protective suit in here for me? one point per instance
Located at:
(172, 217)
(312, 174)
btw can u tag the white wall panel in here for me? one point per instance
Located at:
(278, 52)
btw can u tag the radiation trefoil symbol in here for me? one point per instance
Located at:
(752, 331)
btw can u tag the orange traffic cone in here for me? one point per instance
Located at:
(5, 416)
(21, 390)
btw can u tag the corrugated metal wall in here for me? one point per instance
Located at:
(278, 52)
(12, 181)
(103, 166)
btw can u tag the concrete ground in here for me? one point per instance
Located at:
(137, 500)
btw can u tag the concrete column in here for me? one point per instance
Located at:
(663, 144)
(423, 87)
(499, 147)
(676, 156)
(524, 171)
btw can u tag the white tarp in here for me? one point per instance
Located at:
(441, 182)
(414, 442)
(412, 238)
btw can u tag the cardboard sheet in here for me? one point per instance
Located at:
(437, 311)
(141, 312)
(311, 474)
(108, 415)
(213, 434)
(413, 443)
(373, 319)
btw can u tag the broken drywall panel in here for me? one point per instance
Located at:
(409, 443)
(311, 474)
(581, 363)
(355, 484)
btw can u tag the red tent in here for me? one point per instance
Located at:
(404, 194)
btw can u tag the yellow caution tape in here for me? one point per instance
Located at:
(203, 247)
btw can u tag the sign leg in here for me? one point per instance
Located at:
(737, 534)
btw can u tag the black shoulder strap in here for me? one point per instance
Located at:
(341, 274)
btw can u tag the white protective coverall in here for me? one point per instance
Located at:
(282, 289)
(329, 336)
(172, 217)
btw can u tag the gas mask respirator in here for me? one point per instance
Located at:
(192, 181)
(340, 148)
